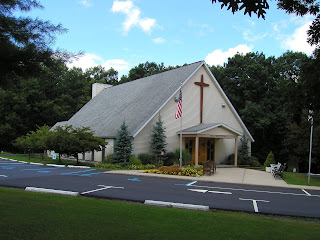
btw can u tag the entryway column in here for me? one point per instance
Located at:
(196, 160)
(236, 151)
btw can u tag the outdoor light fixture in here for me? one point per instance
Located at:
(223, 105)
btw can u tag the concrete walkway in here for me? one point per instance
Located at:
(227, 175)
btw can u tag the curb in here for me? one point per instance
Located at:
(177, 205)
(73, 166)
(55, 165)
(46, 190)
(32, 163)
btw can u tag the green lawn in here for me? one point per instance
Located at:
(27, 215)
(300, 179)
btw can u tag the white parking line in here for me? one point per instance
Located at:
(99, 189)
(204, 191)
(254, 202)
(219, 192)
(255, 206)
(258, 191)
(306, 192)
(3, 176)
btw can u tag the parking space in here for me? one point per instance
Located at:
(97, 183)
(15, 169)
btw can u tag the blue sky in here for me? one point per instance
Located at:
(121, 34)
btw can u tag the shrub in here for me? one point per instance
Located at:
(255, 162)
(176, 170)
(149, 166)
(135, 161)
(135, 167)
(146, 158)
(230, 159)
(269, 160)
(186, 157)
(108, 158)
(108, 166)
(169, 159)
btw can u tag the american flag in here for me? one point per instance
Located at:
(179, 106)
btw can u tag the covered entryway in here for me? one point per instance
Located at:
(201, 141)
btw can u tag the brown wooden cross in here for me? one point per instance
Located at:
(202, 85)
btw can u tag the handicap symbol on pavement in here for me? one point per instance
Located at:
(135, 179)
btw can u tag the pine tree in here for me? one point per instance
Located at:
(122, 145)
(244, 153)
(158, 139)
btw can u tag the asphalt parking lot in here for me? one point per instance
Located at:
(158, 191)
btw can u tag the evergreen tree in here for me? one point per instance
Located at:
(122, 145)
(158, 139)
(244, 153)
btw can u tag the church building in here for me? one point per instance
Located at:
(211, 127)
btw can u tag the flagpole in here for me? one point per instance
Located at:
(181, 135)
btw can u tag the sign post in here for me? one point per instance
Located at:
(310, 150)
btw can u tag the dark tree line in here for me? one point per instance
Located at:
(273, 97)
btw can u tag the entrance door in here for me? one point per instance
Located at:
(206, 150)
(202, 150)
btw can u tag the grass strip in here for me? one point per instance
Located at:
(45, 160)
(300, 179)
(27, 215)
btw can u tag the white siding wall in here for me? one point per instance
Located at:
(212, 113)
(98, 154)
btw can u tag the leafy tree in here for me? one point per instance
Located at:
(291, 83)
(311, 83)
(298, 7)
(22, 143)
(144, 70)
(34, 140)
(24, 42)
(86, 141)
(99, 74)
(250, 83)
(122, 145)
(158, 139)
(72, 141)
(296, 143)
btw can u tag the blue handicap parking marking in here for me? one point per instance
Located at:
(7, 167)
(134, 180)
(83, 173)
(37, 169)
(187, 184)
(89, 174)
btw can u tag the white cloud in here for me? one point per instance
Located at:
(85, 3)
(217, 57)
(133, 18)
(252, 37)
(91, 60)
(158, 40)
(298, 40)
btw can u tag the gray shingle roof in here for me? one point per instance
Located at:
(135, 102)
(202, 127)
